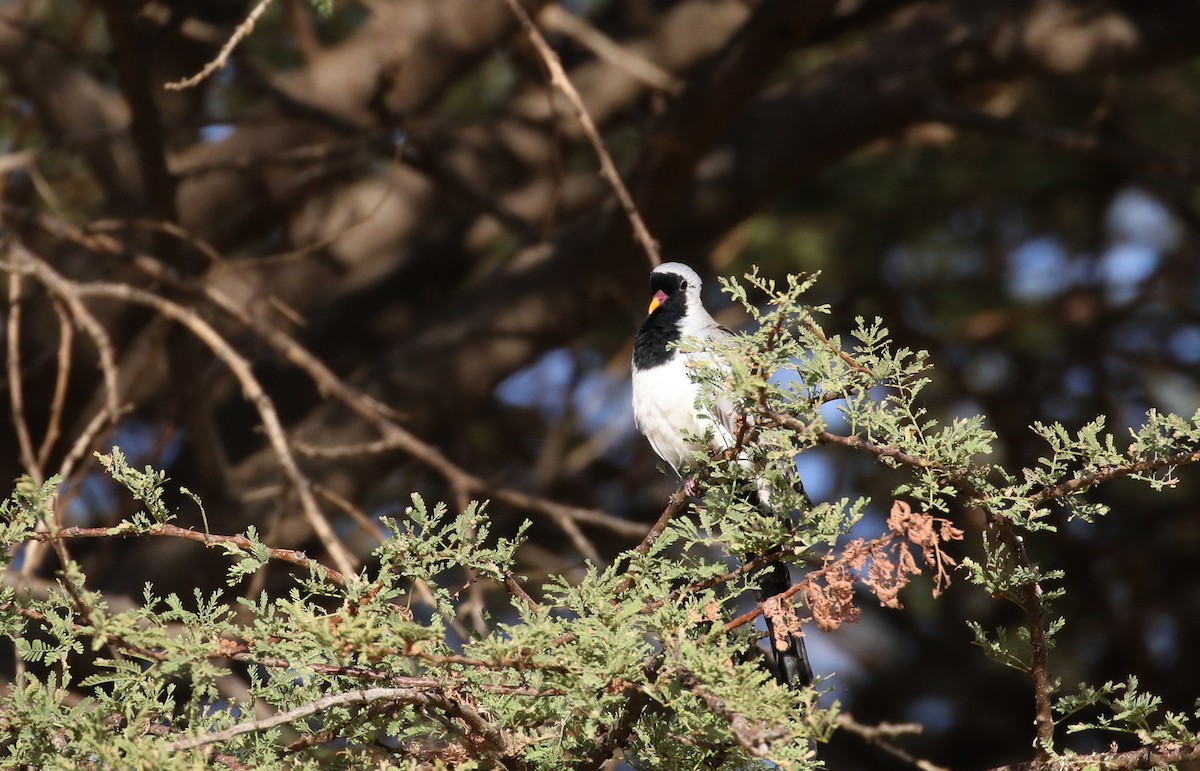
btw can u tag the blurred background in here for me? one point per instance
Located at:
(394, 186)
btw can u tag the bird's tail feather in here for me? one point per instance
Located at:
(791, 664)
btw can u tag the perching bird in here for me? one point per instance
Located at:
(664, 408)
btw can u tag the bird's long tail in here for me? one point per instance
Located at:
(791, 663)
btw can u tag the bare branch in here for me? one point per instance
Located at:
(881, 736)
(222, 58)
(558, 77)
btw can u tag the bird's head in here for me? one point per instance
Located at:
(674, 283)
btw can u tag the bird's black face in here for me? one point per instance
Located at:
(667, 287)
(660, 328)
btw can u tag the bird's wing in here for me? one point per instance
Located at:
(724, 412)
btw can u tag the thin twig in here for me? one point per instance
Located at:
(86, 441)
(822, 436)
(222, 58)
(66, 336)
(16, 393)
(1085, 481)
(513, 584)
(167, 530)
(1029, 597)
(675, 506)
(881, 735)
(608, 169)
(398, 438)
(492, 736)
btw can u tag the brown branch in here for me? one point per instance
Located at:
(1030, 599)
(222, 57)
(166, 530)
(1081, 483)
(1164, 755)
(253, 392)
(398, 438)
(615, 736)
(85, 442)
(513, 584)
(1029, 595)
(608, 169)
(849, 360)
(853, 442)
(749, 616)
(65, 291)
(238, 365)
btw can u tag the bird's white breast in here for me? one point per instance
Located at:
(664, 408)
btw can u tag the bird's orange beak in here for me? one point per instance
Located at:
(658, 299)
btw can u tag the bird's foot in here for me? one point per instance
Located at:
(691, 487)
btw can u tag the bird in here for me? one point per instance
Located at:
(666, 412)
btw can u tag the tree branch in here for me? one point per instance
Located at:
(491, 737)
(167, 530)
(1156, 756)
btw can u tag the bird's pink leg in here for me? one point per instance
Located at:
(691, 487)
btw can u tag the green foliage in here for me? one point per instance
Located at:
(645, 656)
(145, 486)
(1123, 709)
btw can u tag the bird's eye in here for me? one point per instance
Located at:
(683, 284)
